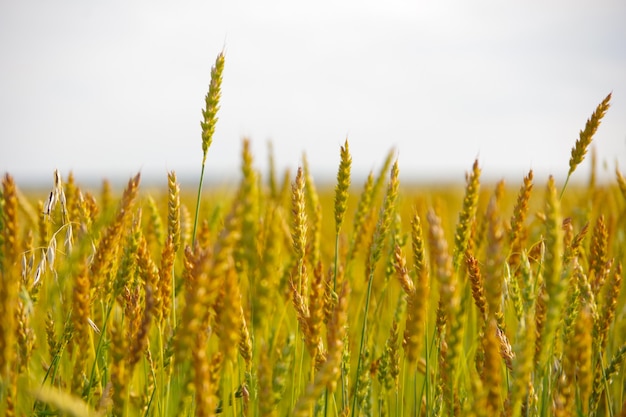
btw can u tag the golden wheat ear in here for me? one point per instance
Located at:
(212, 104)
(466, 216)
(299, 223)
(585, 136)
(209, 120)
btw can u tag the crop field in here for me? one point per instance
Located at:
(282, 298)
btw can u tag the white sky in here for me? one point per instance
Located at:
(110, 88)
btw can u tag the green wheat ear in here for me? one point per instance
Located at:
(584, 140)
(343, 186)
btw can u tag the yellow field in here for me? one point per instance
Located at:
(281, 299)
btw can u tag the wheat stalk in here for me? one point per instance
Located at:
(554, 294)
(380, 234)
(209, 120)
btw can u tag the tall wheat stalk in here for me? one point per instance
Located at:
(208, 123)
(380, 235)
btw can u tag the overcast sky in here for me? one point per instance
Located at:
(107, 89)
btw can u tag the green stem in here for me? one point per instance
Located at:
(98, 348)
(400, 397)
(195, 220)
(564, 186)
(233, 388)
(363, 332)
(163, 384)
(148, 411)
(344, 399)
(168, 385)
(427, 358)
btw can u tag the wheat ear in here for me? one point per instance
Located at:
(9, 278)
(299, 230)
(343, 186)
(621, 182)
(81, 310)
(494, 262)
(341, 199)
(329, 372)
(228, 320)
(598, 254)
(517, 235)
(173, 210)
(205, 400)
(492, 370)
(314, 213)
(466, 216)
(107, 248)
(607, 314)
(584, 140)
(248, 194)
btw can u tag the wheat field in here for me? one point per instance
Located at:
(279, 299)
